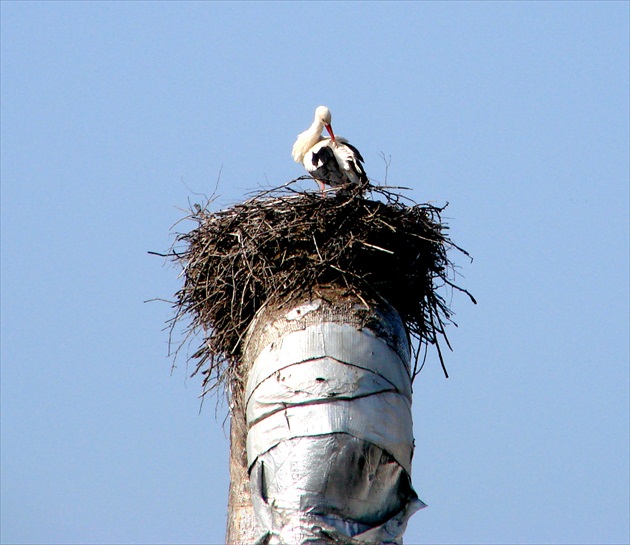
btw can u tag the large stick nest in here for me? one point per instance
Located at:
(282, 244)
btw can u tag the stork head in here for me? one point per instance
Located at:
(323, 115)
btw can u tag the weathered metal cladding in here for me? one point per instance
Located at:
(330, 436)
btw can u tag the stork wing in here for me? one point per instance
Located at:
(350, 162)
(321, 162)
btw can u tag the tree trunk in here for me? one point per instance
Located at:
(333, 460)
(241, 525)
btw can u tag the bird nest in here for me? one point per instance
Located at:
(282, 244)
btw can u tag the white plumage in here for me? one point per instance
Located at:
(332, 161)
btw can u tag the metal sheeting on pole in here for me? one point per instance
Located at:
(330, 438)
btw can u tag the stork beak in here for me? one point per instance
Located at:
(330, 131)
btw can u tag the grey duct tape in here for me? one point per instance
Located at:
(383, 419)
(330, 438)
(342, 342)
(331, 489)
(310, 382)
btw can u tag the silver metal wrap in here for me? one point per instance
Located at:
(330, 435)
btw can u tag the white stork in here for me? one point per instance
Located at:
(331, 161)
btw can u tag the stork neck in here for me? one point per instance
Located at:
(316, 127)
(307, 140)
(313, 134)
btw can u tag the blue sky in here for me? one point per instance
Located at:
(115, 115)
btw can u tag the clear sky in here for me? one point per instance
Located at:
(115, 115)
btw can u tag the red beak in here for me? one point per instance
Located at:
(330, 131)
